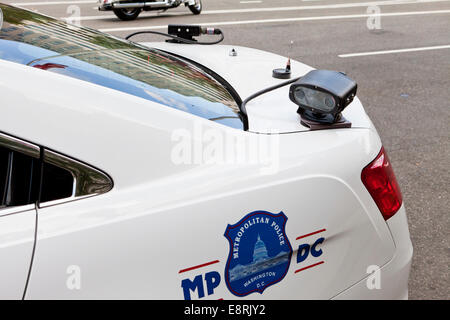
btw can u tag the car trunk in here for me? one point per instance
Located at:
(251, 71)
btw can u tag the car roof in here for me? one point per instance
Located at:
(42, 42)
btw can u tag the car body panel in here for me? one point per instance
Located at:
(86, 116)
(17, 237)
(394, 275)
(130, 248)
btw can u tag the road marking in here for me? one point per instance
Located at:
(49, 3)
(247, 2)
(112, 16)
(324, 6)
(228, 23)
(372, 53)
(312, 7)
(276, 9)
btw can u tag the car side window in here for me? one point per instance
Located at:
(4, 164)
(29, 174)
(68, 179)
(18, 178)
(57, 183)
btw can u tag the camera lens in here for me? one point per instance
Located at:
(299, 94)
(329, 102)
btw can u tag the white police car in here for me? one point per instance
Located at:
(181, 171)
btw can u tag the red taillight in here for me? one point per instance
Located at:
(380, 181)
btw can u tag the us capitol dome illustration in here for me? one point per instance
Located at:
(261, 261)
(260, 251)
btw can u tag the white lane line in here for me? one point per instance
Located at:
(50, 3)
(112, 16)
(275, 9)
(372, 53)
(45, 3)
(227, 23)
(325, 6)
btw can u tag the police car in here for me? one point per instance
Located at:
(187, 171)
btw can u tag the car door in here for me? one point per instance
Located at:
(18, 186)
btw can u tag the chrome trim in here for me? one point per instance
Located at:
(6, 211)
(19, 146)
(63, 200)
(87, 180)
(126, 5)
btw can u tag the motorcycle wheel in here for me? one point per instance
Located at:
(127, 14)
(197, 7)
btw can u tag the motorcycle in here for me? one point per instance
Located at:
(129, 10)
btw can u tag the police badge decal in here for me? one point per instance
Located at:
(260, 252)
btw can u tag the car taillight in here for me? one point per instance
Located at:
(380, 181)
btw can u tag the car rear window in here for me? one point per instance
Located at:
(46, 43)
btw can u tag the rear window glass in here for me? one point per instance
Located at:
(45, 43)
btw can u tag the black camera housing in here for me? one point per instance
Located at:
(337, 84)
(184, 31)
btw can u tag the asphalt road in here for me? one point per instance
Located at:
(405, 93)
